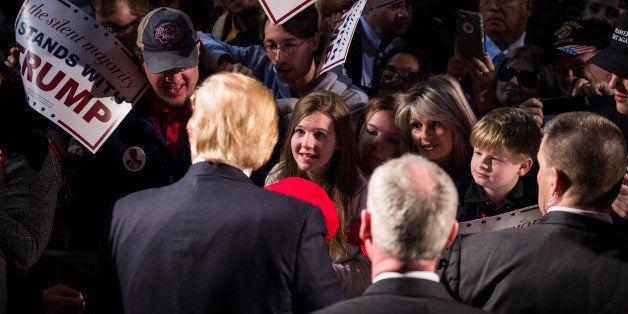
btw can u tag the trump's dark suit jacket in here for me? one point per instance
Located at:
(215, 243)
(566, 263)
(402, 295)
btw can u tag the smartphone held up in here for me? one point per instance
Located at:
(470, 34)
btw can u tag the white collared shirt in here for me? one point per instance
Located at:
(493, 50)
(427, 275)
(606, 217)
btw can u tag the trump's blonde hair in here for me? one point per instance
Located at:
(234, 121)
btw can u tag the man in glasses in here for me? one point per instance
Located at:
(286, 62)
(120, 17)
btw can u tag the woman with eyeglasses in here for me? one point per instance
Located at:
(404, 67)
(518, 77)
(515, 83)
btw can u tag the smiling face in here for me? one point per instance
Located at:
(497, 172)
(433, 140)
(313, 144)
(173, 87)
(513, 93)
(620, 86)
(379, 139)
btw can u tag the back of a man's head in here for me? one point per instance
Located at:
(591, 152)
(413, 206)
(234, 121)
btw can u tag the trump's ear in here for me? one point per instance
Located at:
(452, 235)
(365, 226)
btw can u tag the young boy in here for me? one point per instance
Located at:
(505, 141)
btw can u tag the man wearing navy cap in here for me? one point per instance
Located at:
(153, 135)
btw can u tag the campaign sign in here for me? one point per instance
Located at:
(279, 11)
(340, 41)
(75, 72)
(520, 218)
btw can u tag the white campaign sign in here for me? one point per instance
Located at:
(520, 218)
(340, 41)
(279, 11)
(75, 72)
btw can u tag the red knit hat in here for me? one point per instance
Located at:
(312, 193)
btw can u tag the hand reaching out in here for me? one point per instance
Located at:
(62, 298)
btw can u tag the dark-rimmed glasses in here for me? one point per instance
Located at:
(289, 47)
(120, 29)
(389, 76)
(525, 78)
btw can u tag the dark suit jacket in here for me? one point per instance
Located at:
(402, 295)
(353, 63)
(98, 180)
(214, 242)
(566, 263)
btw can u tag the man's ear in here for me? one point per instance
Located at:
(525, 166)
(316, 40)
(365, 226)
(452, 235)
(559, 182)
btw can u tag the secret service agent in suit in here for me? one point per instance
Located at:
(411, 213)
(573, 260)
(214, 241)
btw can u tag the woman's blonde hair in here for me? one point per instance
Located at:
(234, 121)
(439, 98)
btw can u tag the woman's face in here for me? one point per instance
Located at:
(379, 139)
(432, 139)
(516, 83)
(401, 72)
(313, 143)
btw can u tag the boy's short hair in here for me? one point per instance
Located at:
(509, 130)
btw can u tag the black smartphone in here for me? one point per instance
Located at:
(470, 34)
(563, 104)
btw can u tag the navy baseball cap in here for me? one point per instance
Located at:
(582, 36)
(167, 40)
(614, 58)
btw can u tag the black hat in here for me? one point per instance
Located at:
(167, 40)
(614, 58)
(582, 36)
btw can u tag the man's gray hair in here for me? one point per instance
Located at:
(413, 205)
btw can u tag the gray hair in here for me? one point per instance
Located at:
(413, 205)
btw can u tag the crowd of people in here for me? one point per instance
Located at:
(245, 180)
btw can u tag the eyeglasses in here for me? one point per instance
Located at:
(287, 48)
(499, 2)
(389, 76)
(119, 29)
(525, 78)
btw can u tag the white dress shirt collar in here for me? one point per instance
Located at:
(427, 275)
(606, 217)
